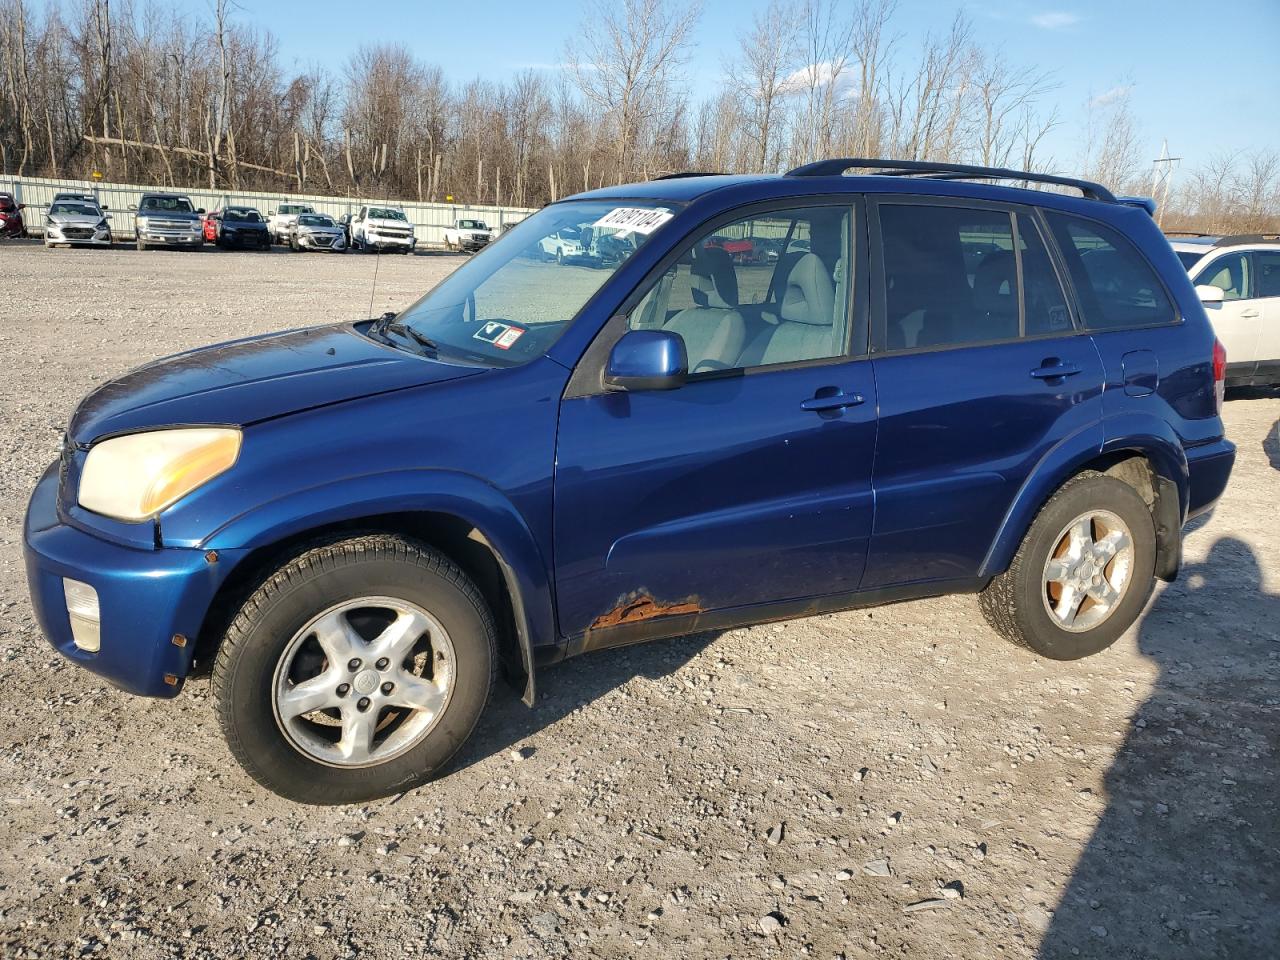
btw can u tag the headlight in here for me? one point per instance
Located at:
(102, 224)
(141, 223)
(136, 476)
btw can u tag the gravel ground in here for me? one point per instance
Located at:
(895, 782)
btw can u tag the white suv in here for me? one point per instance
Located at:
(1238, 279)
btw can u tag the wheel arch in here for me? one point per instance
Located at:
(1144, 453)
(470, 522)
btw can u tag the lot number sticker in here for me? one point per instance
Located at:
(642, 220)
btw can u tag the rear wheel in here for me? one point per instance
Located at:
(355, 671)
(1082, 574)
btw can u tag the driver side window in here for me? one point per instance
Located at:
(768, 289)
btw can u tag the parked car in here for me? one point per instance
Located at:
(167, 219)
(563, 244)
(1238, 281)
(11, 222)
(283, 217)
(381, 228)
(352, 525)
(236, 226)
(316, 231)
(468, 235)
(76, 222)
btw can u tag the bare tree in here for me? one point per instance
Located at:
(759, 79)
(1111, 145)
(632, 55)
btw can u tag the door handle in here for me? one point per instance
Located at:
(1054, 369)
(835, 401)
(1251, 314)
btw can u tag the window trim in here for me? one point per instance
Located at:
(587, 379)
(1255, 272)
(1227, 254)
(879, 288)
(1178, 317)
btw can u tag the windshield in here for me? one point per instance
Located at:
(385, 213)
(511, 302)
(294, 208)
(73, 209)
(315, 220)
(472, 225)
(167, 204)
(6, 202)
(242, 214)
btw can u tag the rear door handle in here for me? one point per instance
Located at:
(836, 401)
(1055, 370)
(1251, 314)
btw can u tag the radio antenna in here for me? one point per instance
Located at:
(377, 257)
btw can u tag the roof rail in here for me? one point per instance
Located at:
(689, 173)
(947, 171)
(1238, 239)
(1189, 233)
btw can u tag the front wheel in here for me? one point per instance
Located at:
(141, 244)
(1082, 574)
(355, 671)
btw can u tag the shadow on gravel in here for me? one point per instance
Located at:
(575, 683)
(1183, 861)
(1271, 445)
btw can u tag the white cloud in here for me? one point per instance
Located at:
(818, 74)
(1055, 20)
(1108, 97)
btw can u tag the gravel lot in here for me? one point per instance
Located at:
(895, 782)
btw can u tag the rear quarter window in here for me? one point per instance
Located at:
(1115, 284)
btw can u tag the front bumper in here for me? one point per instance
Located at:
(172, 238)
(381, 240)
(322, 242)
(77, 236)
(1209, 468)
(146, 597)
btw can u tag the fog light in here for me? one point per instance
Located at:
(82, 609)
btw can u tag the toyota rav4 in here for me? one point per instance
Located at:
(936, 386)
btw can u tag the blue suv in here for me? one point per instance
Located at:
(776, 396)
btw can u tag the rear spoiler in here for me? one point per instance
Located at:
(1146, 203)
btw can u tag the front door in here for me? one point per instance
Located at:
(1237, 320)
(749, 484)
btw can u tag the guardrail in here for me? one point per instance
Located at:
(429, 219)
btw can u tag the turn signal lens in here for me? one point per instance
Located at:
(82, 611)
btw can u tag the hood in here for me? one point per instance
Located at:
(388, 222)
(168, 215)
(244, 225)
(77, 219)
(303, 228)
(246, 381)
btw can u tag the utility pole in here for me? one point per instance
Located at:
(1161, 180)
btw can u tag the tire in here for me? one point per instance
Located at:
(141, 245)
(559, 257)
(269, 636)
(1017, 603)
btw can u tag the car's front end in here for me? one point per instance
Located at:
(168, 227)
(389, 233)
(318, 235)
(87, 228)
(247, 230)
(11, 220)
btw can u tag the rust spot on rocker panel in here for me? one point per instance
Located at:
(639, 606)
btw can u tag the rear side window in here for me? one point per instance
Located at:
(1116, 286)
(951, 277)
(1267, 265)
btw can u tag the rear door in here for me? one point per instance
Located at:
(1267, 277)
(981, 369)
(1238, 319)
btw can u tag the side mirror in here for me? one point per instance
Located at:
(105, 207)
(22, 206)
(133, 207)
(647, 360)
(1208, 294)
(199, 209)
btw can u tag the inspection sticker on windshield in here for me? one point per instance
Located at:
(501, 335)
(642, 220)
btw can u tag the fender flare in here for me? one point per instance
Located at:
(457, 494)
(1146, 435)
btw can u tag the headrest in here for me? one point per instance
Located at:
(810, 295)
(714, 281)
(995, 283)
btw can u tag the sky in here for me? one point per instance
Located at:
(1205, 74)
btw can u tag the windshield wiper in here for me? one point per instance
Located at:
(386, 325)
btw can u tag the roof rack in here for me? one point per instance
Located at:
(1188, 233)
(947, 171)
(1239, 239)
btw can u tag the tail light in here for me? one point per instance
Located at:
(1219, 373)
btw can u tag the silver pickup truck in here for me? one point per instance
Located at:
(167, 220)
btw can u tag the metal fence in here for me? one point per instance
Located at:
(429, 219)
